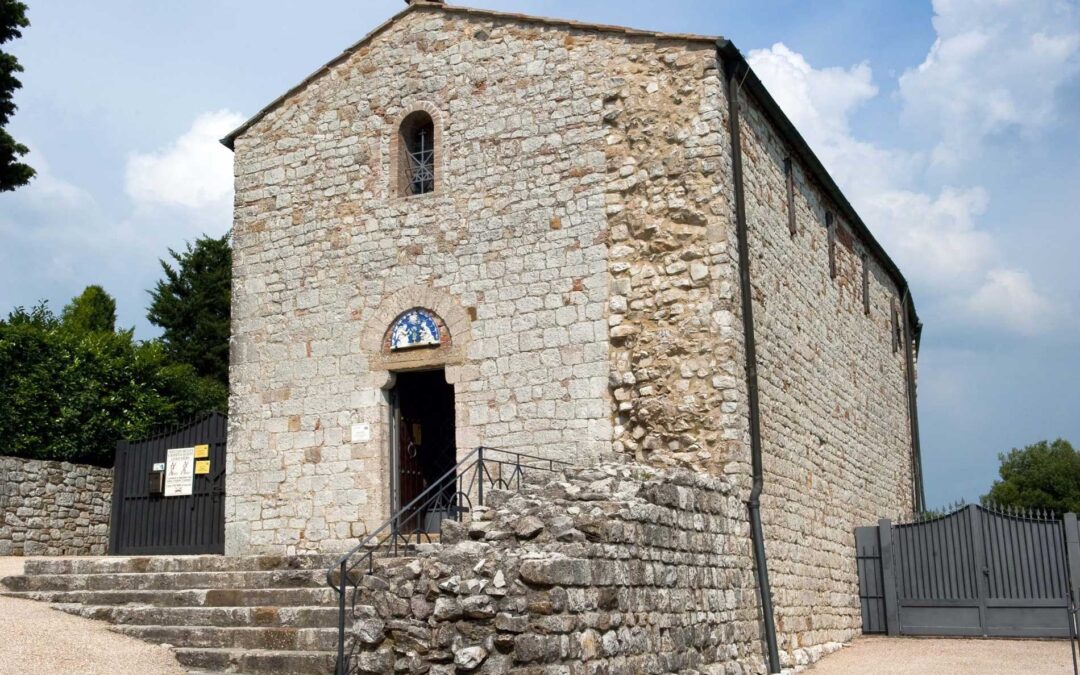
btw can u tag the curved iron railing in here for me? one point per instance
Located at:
(451, 496)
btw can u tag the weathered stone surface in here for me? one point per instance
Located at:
(369, 631)
(470, 658)
(668, 587)
(54, 508)
(528, 527)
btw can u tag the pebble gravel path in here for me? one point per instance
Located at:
(38, 640)
(947, 656)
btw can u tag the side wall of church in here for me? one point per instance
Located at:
(510, 251)
(834, 412)
(836, 439)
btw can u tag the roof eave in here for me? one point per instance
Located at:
(799, 146)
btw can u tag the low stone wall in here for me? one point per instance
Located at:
(613, 569)
(54, 508)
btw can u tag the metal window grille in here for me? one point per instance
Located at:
(421, 170)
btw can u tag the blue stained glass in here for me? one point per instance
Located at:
(414, 328)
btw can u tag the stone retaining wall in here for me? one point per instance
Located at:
(615, 569)
(54, 508)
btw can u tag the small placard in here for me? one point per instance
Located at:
(361, 433)
(179, 471)
(202, 451)
(202, 467)
(159, 466)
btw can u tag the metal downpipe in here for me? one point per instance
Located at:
(910, 348)
(757, 534)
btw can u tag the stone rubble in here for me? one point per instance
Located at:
(617, 568)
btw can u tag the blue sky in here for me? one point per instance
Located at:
(952, 125)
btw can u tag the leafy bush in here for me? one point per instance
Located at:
(71, 394)
(1041, 476)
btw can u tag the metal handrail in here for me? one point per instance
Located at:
(469, 476)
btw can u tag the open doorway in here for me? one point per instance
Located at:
(423, 446)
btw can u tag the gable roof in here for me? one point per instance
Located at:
(725, 48)
(230, 139)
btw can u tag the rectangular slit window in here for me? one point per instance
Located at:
(789, 174)
(830, 225)
(895, 327)
(865, 284)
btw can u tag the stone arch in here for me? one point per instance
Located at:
(395, 172)
(451, 354)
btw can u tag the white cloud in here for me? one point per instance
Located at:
(194, 172)
(1008, 296)
(178, 193)
(994, 67)
(934, 236)
(820, 102)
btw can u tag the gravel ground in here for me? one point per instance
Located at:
(38, 640)
(919, 656)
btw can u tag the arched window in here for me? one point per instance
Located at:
(416, 154)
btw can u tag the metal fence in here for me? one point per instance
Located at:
(976, 571)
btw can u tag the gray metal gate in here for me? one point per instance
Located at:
(975, 571)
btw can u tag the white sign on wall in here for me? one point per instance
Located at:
(179, 471)
(361, 433)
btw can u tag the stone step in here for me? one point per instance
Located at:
(276, 639)
(292, 617)
(250, 597)
(167, 581)
(193, 563)
(257, 661)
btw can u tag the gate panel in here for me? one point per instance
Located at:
(937, 584)
(871, 580)
(973, 572)
(1027, 584)
(150, 524)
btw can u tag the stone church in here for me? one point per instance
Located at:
(579, 241)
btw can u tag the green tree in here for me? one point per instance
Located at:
(1041, 476)
(192, 303)
(92, 311)
(70, 395)
(13, 173)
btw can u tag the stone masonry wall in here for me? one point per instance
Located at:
(54, 508)
(675, 372)
(834, 416)
(514, 239)
(580, 248)
(618, 569)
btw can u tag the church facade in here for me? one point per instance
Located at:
(484, 229)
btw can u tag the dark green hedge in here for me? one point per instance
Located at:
(70, 395)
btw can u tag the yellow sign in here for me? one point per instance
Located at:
(202, 466)
(202, 451)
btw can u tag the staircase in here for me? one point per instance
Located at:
(265, 615)
(253, 614)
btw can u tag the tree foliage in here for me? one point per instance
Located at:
(13, 173)
(70, 394)
(92, 311)
(1040, 476)
(192, 304)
